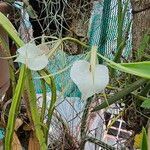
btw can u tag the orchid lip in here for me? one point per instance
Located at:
(81, 75)
(32, 57)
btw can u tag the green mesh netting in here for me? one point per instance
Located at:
(102, 32)
(103, 27)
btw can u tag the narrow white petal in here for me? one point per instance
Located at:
(20, 59)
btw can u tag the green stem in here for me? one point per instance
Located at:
(51, 84)
(52, 104)
(43, 87)
(76, 41)
(43, 73)
(34, 111)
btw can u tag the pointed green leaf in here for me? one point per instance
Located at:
(141, 69)
(119, 95)
(9, 28)
(144, 145)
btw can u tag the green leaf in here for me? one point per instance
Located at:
(9, 28)
(121, 38)
(141, 69)
(14, 108)
(144, 144)
(34, 111)
(44, 96)
(119, 95)
(146, 103)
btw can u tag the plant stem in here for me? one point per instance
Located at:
(76, 41)
(52, 104)
(43, 87)
(34, 111)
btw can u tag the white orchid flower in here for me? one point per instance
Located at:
(32, 56)
(87, 80)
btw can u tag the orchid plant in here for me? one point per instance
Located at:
(90, 77)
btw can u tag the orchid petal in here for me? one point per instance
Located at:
(83, 78)
(38, 63)
(32, 57)
(29, 50)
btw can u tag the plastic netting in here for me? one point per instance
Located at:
(103, 27)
